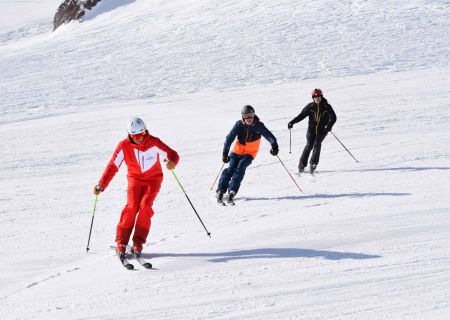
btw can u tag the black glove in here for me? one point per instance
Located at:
(290, 125)
(225, 158)
(328, 129)
(274, 150)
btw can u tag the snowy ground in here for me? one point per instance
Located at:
(364, 241)
(154, 48)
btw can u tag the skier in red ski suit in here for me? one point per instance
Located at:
(141, 153)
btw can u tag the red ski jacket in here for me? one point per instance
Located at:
(142, 161)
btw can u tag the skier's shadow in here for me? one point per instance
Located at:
(267, 253)
(329, 196)
(402, 169)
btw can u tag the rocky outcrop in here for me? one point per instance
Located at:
(72, 10)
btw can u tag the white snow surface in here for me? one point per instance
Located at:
(367, 240)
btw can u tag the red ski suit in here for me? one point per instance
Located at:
(144, 181)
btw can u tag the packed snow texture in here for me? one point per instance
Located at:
(148, 49)
(367, 240)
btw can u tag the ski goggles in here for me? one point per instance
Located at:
(248, 116)
(137, 136)
(316, 96)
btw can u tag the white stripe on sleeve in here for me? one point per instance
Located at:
(119, 158)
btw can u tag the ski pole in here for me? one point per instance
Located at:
(290, 140)
(344, 146)
(176, 178)
(217, 176)
(290, 175)
(92, 222)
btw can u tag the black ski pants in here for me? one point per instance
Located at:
(314, 143)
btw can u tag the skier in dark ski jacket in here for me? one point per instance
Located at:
(321, 120)
(247, 136)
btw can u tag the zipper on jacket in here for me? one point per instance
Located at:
(246, 139)
(317, 118)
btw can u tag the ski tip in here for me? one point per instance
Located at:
(129, 266)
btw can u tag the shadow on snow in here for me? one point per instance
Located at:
(328, 196)
(406, 169)
(268, 253)
(105, 6)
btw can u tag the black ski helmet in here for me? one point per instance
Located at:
(247, 109)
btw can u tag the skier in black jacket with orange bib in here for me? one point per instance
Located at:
(246, 135)
(321, 120)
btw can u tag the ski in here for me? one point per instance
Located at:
(306, 174)
(219, 198)
(131, 255)
(142, 262)
(124, 261)
(230, 198)
(231, 202)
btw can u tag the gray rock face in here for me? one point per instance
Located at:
(72, 10)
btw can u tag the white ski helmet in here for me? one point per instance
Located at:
(135, 126)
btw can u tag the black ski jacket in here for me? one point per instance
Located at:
(321, 117)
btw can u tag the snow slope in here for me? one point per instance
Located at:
(149, 49)
(364, 241)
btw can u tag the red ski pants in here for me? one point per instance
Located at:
(139, 200)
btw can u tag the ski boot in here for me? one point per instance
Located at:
(230, 199)
(219, 196)
(312, 168)
(136, 249)
(121, 250)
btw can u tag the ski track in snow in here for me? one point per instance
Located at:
(363, 241)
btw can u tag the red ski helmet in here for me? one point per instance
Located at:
(317, 92)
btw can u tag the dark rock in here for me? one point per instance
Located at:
(72, 10)
(89, 4)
